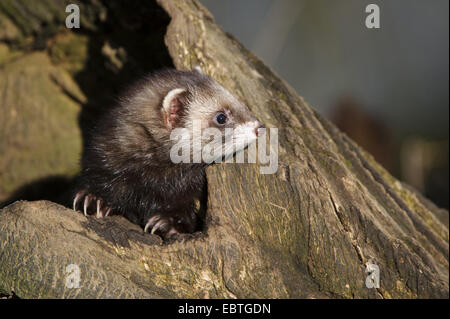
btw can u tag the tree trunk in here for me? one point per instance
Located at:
(308, 231)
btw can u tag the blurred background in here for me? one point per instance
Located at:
(386, 88)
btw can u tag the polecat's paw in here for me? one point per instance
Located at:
(170, 226)
(89, 201)
(160, 225)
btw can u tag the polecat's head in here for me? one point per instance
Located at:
(198, 101)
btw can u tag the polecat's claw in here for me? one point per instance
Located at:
(161, 225)
(75, 200)
(87, 201)
(157, 226)
(150, 223)
(101, 209)
(172, 232)
(77, 197)
(156, 223)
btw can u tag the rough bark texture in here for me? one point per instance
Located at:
(307, 231)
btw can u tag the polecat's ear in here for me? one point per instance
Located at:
(173, 107)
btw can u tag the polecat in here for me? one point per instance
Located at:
(126, 166)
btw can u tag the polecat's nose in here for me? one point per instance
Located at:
(257, 133)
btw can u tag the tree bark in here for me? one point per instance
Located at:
(308, 231)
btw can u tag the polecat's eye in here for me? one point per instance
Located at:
(221, 118)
